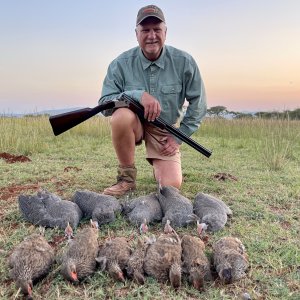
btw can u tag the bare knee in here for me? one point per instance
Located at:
(122, 118)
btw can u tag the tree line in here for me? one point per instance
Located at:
(222, 112)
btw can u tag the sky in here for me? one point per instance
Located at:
(55, 54)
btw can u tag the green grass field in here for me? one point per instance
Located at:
(264, 156)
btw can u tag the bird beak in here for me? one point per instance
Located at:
(74, 276)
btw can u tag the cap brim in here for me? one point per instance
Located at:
(146, 17)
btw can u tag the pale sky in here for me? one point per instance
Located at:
(54, 54)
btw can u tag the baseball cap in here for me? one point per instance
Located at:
(149, 11)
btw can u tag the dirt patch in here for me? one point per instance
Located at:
(10, 158)
(224, 176)
(285, 225)
(15, 190)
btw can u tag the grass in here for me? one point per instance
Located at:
(264, 156)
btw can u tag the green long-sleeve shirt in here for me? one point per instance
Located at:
(171, 79)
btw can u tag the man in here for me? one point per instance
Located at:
(161, 78)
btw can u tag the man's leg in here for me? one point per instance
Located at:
(167, 172)
(126, 131)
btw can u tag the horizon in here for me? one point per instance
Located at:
(55, 55)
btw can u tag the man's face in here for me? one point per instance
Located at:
(151, 36)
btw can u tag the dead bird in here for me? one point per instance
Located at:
(163, 259)
(176, 208)
(48, 210)
(79, 259)
(101, 208)
(230, 259)
(30, 261)
(211, 211)
(143, 208)
(113, 257)
(195, 264)
(134, 268)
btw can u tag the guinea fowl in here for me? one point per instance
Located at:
(135, 262)
(195, 263)
(176, 208)
(113, 256)
(101, 208)
(211, 211)
(230, 259)
(163, 259)
(48, 210)
(143, 208)
(79, 259)
(30, 261)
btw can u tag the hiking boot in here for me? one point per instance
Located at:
(125, 182)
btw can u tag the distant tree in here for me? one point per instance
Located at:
(217, 111)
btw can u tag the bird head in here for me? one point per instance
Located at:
(201, 228)
(144, 227)
(175, 275)
(69, 232)
(116, 272)
(69, 271)
(26, 287)
(226, 275)
(196, 278)
(168, 228)
(94, 224)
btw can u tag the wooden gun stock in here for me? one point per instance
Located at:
(63, 122)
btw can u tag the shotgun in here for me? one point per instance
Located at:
(63, 122)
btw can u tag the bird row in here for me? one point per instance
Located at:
(48, 210)
(166, 257)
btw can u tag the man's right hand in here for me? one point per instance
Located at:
(152, 107)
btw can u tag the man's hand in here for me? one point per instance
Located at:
(170, 146)
(152, 107)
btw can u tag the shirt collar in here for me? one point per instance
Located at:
(160, 62)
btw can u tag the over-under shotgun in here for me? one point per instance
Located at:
(63, 122)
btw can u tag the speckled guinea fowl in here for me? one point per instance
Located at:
(230, 259)
(143, 208)
(48, 210)
(195, 264)
(176, 208)
(211, 211)
(30, 261)
(113, 257)
(79, 259)
(163, 259)
(101, 208)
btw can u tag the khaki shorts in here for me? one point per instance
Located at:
(154, 138)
